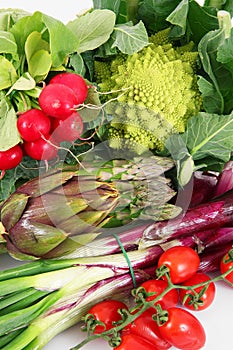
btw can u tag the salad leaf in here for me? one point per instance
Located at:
(8, 44)
(25, 26)
(38, 56)
(9, 135)
(93, 29)
(129, 39)
(61, 39)
(8, 74)
(25, 82)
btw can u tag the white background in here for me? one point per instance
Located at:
(217, 319)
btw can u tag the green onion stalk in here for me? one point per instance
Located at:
(35, 305)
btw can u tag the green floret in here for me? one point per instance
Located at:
(159, 94)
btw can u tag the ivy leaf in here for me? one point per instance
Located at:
(129, 39)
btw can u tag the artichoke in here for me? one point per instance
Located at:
(64, 208)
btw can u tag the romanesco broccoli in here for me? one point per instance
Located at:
(157, 93)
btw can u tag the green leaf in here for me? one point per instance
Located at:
(62, 40)
(9, 16)
(25, 82)
(93, 29)
(38, 56)
(218, 74)
(7, 43)
(179, 16)
(192, 20)
(201, 20)
(129, 38)
(225, 52)
(24, 27)
(39, 65)
(153, 13)
(113, 5)
(209, 135)
(8, 74)
(9, 135)
(7, 184)
(77, 62)
(211, 98)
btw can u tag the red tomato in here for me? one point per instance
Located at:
(183, 330)
(205, 299)
(183, 262)
(145, 327)
(135, 342)
(158, 286)
(107, 312)
(225, 265)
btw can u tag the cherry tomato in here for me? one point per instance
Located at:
(158, 286)
(183, 330)
(225, 265)
(75, 82)
(145, 327)
(32, 124)
(207, 296)
(41, 149)
(69, 129)
(135, 342)
(10, 158)
(57, 100)
(183, 262)
(107, 312)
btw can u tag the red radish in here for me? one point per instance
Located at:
(10, 158)
(42, 149)
(75, 82)
(57, 100)
(69, 129)
(32, 124)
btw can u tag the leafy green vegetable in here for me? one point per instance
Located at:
(129, 39)
(154, 13)
(7, 43)
(9, 135)
(93, 29)
(217, 88)
(192, 20)
(8, 74)
(207, 136)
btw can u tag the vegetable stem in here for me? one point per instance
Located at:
(224, 20)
